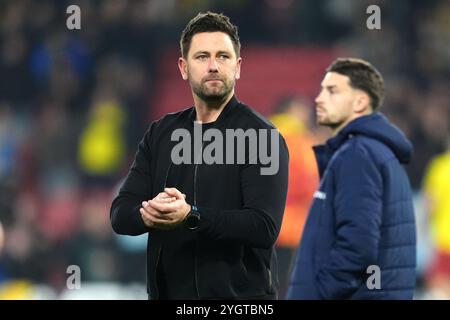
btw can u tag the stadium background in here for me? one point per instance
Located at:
(75, 103)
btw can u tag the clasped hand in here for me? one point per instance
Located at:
(165, 211)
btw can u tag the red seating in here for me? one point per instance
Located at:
(268, 73)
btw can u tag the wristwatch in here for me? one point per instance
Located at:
(192, 220)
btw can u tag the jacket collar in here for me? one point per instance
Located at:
(226, 110)
(325, 152)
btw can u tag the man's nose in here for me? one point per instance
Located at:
(318, 98)
(213, 66)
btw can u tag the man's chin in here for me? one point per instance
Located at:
(324, 122)
(213, 97)
(321, 122)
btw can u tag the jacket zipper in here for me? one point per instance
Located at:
(156, 272)
(270, 278)
(195, 184)
(195, 204)
(195, 269)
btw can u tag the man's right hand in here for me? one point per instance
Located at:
(151, 216)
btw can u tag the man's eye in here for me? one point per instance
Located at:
(223, 56)
(201, 57)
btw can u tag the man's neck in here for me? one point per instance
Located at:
(209, 111)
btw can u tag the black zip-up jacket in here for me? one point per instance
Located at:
(231, 254)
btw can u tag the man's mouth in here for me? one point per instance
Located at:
(319, 110)
(213, 80)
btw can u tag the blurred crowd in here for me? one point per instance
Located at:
(75, 103)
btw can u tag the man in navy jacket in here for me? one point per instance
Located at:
(359, 241)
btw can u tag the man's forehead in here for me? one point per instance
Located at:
(335, 79)
(211, 41)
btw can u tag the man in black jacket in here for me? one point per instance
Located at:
(216, 174)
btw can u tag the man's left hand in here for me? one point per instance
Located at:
(175, 211)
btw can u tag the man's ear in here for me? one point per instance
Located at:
(182, 66)
(238, 68)
(362, 103)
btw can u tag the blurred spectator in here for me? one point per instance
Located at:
(102, 143)
(9, 143)
(2, 239)
(92, 248)
(436, 188)
(293, 118)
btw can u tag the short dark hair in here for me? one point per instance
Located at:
(363, 75)
(209, 22)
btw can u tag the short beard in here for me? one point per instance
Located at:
(212, 99)
(333, 125)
